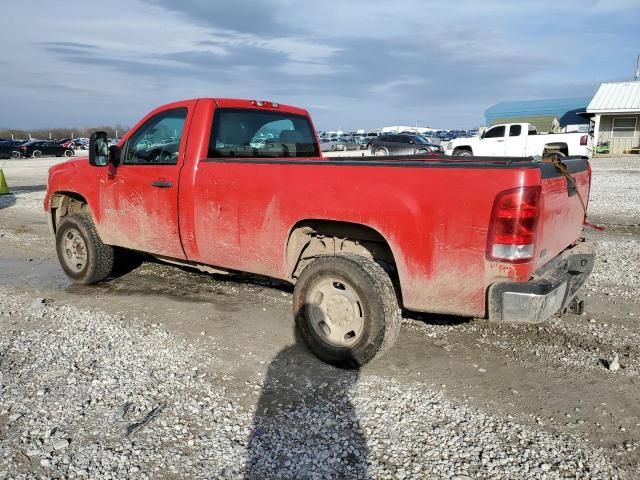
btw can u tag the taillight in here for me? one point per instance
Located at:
(584, 139)
(514, 221)
(23, 148)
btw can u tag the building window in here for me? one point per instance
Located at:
(624, 127)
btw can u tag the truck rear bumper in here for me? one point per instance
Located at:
(550, 290)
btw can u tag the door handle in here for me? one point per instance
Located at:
(162, 184)
(500, 140)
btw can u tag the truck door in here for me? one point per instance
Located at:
(515, 141)
(139, 197)
(492, 142)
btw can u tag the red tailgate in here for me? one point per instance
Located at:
(562, 213)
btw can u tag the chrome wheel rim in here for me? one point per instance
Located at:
(335, 311)
(74, 249)
(380, 153)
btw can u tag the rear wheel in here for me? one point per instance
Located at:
(381, 152)
(36, 154)
(346, 310)
(15, 154)
(68, 153)
(82, 255)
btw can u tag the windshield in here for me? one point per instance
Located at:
(251, 133)
(420, 140)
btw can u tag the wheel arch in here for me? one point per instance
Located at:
(561, 147)
(65, 203)
(311, 238)
(462, 147)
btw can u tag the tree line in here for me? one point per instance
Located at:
(115, 131)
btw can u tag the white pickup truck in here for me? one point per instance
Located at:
(518, 140)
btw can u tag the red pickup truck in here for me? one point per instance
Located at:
(241, 185)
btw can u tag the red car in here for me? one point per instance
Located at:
(360, 237)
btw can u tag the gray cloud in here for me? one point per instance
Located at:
(259, 17)
(357, 64)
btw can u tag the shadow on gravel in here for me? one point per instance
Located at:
(29, 188)
(192, 274)
(437, 318)
(126, 261)
(305, 426)
(7, 200)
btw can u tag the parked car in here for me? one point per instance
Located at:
(81, 142)
(362, 142)
(402, 144)
(347, 143)
(10, 149)
(67, 143)
(39, 148)
(519, 140)
(359, 238)
(328, 144)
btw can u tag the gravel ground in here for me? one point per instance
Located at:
(615, 196)
(119, 381)
(87, 395)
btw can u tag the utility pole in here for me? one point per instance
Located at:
(637, 75)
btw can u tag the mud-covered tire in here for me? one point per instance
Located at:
(378, 307)
(99, 258)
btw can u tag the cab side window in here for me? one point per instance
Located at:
(495, 132)
(515, 130)
(157, 141)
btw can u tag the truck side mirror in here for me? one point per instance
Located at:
(99, 149)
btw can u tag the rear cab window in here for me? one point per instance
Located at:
(251, 133)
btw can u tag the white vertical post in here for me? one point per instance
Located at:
(596, 133)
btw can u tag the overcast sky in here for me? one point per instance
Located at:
(352, 64)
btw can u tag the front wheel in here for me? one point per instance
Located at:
(36, 154)
(15, 154)
(82, 255)
(346, 310)
(68, 153)
(462, 152)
